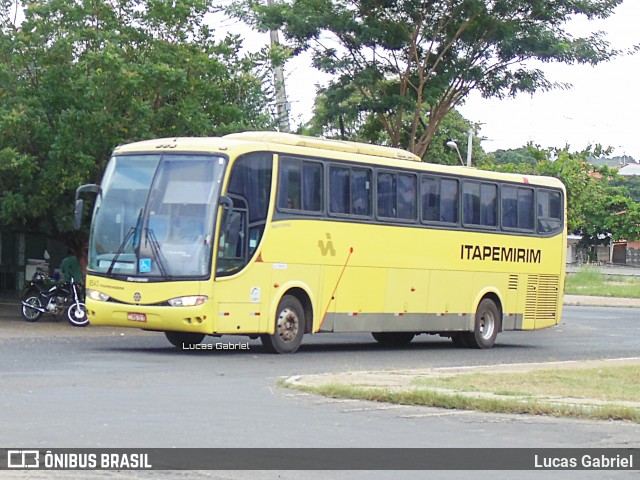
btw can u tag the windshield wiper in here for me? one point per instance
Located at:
(150, 237)
(120, 250)
(123, 245)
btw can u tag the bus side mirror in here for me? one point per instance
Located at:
(78, 213)
(91, 188)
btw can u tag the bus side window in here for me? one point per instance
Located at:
(312, 186)
(430, 194)
(471, 203)
(449, 200)
(509, 207)
(339, 190)
(255, 235)
(489, 205)
(407, 206)
(525, 209)
(360, 192)
(289, 184)
(517, 207)
(549, 211)
(480, 205)
(386, 195)
(349, 191)
(232, 245)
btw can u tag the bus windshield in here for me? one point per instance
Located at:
(154, 217)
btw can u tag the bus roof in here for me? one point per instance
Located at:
(334, 150)
(325, 144)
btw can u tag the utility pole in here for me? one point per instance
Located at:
(469, 146)
(282, 110)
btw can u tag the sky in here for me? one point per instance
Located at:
(602, 107)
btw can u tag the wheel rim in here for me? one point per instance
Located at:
(77, 314)
(288, 325)
(29, 312)
(487, 325)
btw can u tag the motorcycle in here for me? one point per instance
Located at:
(41, 296)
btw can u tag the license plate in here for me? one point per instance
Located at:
(137, 317)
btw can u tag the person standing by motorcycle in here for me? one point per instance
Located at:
(39, 297)
(70, 268)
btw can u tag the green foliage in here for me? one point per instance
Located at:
(590, 281)
(630, 183)
(362, 128)
(523, 157)
(78, 78)
(400, 66)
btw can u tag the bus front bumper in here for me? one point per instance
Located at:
(150, 317)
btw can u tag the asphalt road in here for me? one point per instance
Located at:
(99, 387)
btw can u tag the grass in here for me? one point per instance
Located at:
(608, 384)
(528, 393)
(590, 281)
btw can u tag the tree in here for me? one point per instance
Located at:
(408, 62)
(330, 121)
(357, 127)
(78, 78)
(631, 183)
(455, 127)
(523, 157)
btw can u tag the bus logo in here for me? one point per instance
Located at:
(327, 247)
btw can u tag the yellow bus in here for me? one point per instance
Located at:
(275, 235)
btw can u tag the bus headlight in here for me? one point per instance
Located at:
(190, 301)
(97, 296)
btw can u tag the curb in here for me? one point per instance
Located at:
(593, 301)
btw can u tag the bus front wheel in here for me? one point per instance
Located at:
(289, 328)
(487, 326)
(184, 339)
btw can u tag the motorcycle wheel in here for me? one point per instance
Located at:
(77, 315)
(31, 314)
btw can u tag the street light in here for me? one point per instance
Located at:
(454, 145)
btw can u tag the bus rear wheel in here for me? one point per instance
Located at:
(487, 326)
(393, 339)
(184, 339)
(289, 328)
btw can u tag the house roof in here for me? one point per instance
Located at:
(630, 169)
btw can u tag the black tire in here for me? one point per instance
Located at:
(77, 315)
(393, 339)
(184, 339)
(31, 314)
(289, 327)
(487, 326)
